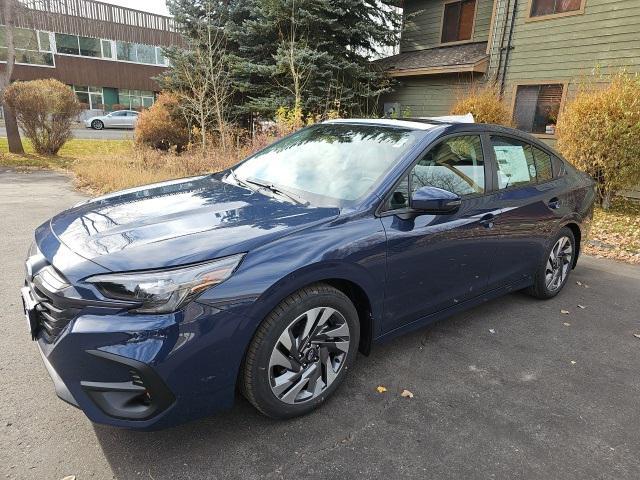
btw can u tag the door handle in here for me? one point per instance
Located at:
(554, 203)
(487, 220)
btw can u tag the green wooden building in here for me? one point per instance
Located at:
(535, 51)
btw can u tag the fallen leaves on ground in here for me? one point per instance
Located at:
(566, 324)
(573, 362)
(637, 335)
(564, 312)
(406, 394)
(581, 307)
(615, 233)
(381, 389)
(491, 330)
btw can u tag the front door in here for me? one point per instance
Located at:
(437, 261)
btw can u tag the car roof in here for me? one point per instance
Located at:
(389, 122)
(447, 127)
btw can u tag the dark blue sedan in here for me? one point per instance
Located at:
(153, 306)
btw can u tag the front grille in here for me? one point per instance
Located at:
(52, 318)
(46, 285)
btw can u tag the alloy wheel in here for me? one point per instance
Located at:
(309, 355)
(558, 264)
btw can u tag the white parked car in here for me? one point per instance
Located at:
(117, 119)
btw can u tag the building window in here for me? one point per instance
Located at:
(541, 8)
(139, 53)
(67, 44)
(90, 47)
(32, 47)
(136, 99)
(83, 46)
(106, 49)
(537, 107)
(90, 97)
(457, 24)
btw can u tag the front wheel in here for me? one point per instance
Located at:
(553, 274)
(301, 352)
(97, 125)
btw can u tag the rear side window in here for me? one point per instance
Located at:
(519, 163)
(544, 167)
(559, 168)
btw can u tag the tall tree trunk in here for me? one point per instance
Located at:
(13, 133)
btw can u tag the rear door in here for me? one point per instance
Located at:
(118, 119)
(130, 119)
(437, 261)
(530, 202)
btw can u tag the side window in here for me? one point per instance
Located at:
(558, 167)
(400, 197)
(515, 162)
(544, 167)
(455, 165)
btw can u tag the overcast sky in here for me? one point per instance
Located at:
(154, 6)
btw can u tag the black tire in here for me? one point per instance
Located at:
(256, 376)
(97, 125)
(541, 288)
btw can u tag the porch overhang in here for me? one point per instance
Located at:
(466, 58)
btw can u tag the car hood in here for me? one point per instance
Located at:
(179, 222)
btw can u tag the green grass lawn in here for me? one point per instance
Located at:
(74, 150)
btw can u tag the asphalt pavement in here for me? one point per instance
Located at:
(514, 389)
(87, 133)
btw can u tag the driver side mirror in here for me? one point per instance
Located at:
(435, 201)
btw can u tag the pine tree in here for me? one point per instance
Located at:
(323, 45)
(311, 55)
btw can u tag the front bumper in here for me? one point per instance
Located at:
(148, 372)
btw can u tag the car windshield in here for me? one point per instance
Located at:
(339, 161)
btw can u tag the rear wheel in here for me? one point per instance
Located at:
(97, 125)
(553, 274)
(301, 352)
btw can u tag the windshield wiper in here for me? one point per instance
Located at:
(238, 181)
(277, 190)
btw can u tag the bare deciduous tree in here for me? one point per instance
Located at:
(201, 80)
(293, 55)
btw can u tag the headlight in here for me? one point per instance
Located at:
(165, 291)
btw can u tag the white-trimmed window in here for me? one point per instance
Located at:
(133, 99)
(81, 46)
(139, 53)
(92, 97)
(33, 47)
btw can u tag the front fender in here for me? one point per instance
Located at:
(321, 272)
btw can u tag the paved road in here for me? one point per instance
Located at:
(87, 133)
(508, 404)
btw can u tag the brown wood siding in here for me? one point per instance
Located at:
(99, 20)
(93, 72)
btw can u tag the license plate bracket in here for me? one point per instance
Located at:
(30, 311)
